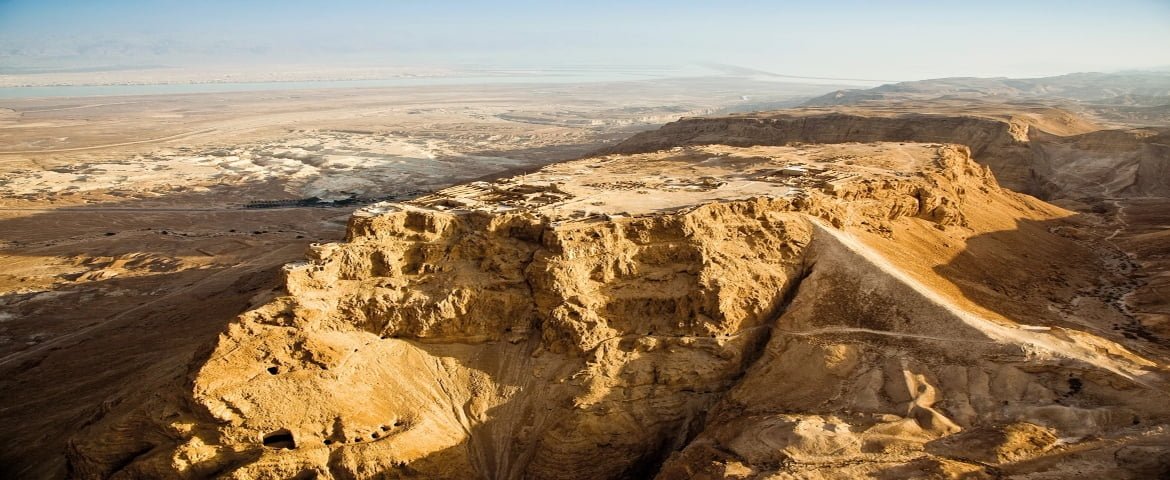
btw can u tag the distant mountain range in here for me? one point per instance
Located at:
(1143, 88)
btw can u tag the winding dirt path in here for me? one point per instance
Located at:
(1004, 333)
(832, 330)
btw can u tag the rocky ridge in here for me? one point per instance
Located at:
(1049, 153)
(697, 311)
(1149, 87)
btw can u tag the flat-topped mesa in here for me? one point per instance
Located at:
(846, 179)
(589, 319)
(429, 271)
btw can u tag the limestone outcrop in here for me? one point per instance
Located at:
(701, 311)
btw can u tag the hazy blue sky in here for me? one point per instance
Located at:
(863, 39)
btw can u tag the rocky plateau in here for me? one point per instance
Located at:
(806, 294)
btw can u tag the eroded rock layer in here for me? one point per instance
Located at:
(703, 312)
(1050, 153)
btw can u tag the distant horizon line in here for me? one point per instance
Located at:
(454, 67)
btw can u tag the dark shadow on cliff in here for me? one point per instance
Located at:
(1055, 273)
(109, 305)
(555, 423)
(54, 387)
(625, 433)
(93, 325)
(134, 286)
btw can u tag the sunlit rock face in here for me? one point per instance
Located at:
(704, 311)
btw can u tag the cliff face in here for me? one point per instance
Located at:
(1049, 156)
(708, 311)
(1103, 164)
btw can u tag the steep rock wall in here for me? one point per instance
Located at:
(1024, 157)
(725, 337)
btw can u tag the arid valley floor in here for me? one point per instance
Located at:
(544, 281)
